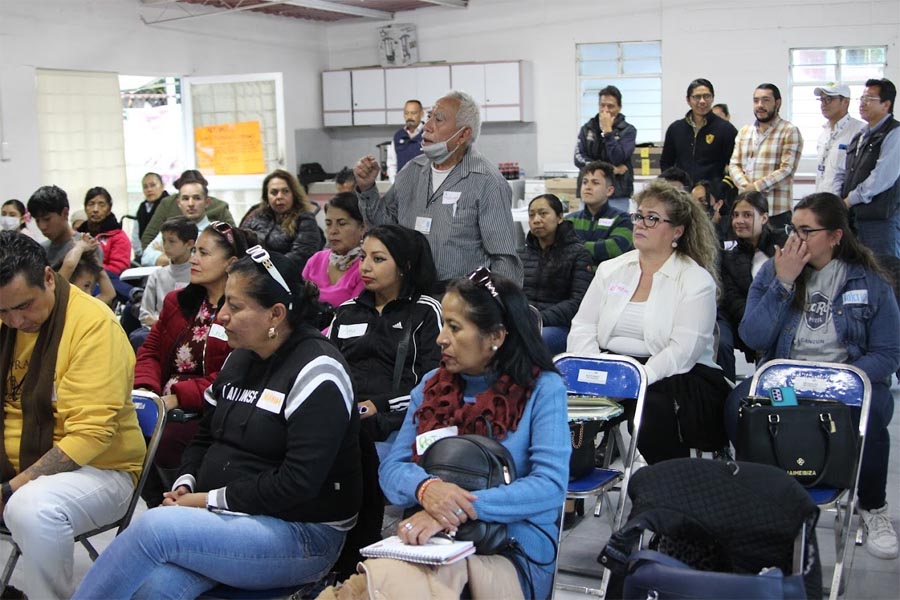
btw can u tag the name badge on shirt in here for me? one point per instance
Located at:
(856, 297)
(618, 289)
(423, 225)
(352, 331)
(450, 197)
(218, 332)
(605, 222)
(424, 440)
(271, 401)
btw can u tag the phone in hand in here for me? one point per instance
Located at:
(783, 396)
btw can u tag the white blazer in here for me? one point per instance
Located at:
(680, 313)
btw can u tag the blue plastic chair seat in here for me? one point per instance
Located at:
(593, 481)
(824, 495)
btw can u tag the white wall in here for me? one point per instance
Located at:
(734, 43)
(108, 35)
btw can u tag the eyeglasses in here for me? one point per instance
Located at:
(261, 257)
(802, 232)
(482, 278)
(699, 97)
(226, 230)
(649, 221)
(868, 99)
(826, 100)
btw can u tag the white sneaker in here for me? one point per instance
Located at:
(881, 539)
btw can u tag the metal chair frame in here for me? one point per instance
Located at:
(616, 377)
(152, 427)
(832, 381)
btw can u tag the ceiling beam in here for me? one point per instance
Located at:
(343, 9)
(199, 15)
(447, 3)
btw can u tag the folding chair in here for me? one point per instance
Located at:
(151, 413)
(615, 377)
(830, 381)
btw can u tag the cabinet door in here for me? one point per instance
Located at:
(336, 99)
(400, 86)
(502, 92)
(470, 79)
(431, 84)
(368, 97)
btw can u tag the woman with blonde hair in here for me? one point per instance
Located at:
(284, 219)
(657, 304)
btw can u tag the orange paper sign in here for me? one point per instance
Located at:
(230, 149)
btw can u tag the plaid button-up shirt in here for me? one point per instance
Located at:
(766, 161)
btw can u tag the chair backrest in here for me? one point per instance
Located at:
(613, 376)
(151, 415)
(536, 317)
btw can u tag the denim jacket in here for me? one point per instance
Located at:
(865, 316)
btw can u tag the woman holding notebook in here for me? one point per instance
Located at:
(496, 379)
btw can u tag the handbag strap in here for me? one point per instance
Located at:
(826, 425)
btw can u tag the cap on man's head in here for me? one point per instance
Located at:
(78, 215)
(832, 89)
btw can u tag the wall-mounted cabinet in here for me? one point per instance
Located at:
(376, 96)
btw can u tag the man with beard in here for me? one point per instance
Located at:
(408, 140)
(766, 154)
(452, 194)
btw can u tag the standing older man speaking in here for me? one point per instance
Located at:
(451, 193)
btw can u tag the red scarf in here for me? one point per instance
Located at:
(501, 406)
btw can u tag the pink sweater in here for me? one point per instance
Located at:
(347, 287)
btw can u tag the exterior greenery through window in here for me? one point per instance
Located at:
(633, 67)
(814, 67)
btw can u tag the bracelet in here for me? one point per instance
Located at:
(6, 492)
(420, 494)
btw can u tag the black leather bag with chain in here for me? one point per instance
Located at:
(473, 462)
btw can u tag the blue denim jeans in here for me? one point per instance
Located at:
(881, 236)
(180, 552)
(555, 338)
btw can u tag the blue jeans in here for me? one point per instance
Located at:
(180, 552)
(881, 236)
(873, 469)
(555, 338)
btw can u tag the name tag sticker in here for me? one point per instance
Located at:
(352, 331)
(424, 440)
(218, 332)
(856, 297)
(591, 376)
(423, 225)
(605, 222)
(450, 197)
(618, 289)
(271, 401)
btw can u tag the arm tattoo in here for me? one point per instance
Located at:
(52, 462)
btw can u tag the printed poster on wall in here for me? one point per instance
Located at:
(230, 149)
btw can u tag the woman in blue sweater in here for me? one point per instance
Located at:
(823, 298)
(495, 373)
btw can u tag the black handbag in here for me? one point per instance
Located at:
(816, 441)
(584, 447)
(473, 462)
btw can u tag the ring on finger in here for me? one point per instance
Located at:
(408, 527)
(458, 512)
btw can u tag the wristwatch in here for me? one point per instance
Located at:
(6, 492)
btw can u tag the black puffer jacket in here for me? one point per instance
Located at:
(736, 269)
(556, 278)
(307, 240)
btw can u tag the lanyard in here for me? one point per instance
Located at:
(834, 135)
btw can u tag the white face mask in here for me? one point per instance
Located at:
(9, 223)
(438, 152)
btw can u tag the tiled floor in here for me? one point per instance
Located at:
(870, 578)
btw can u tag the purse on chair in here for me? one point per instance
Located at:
(815, 442)
(473, 462)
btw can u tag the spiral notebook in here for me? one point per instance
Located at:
(426, 554)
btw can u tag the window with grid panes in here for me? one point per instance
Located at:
(817, 67)
(633, 67)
